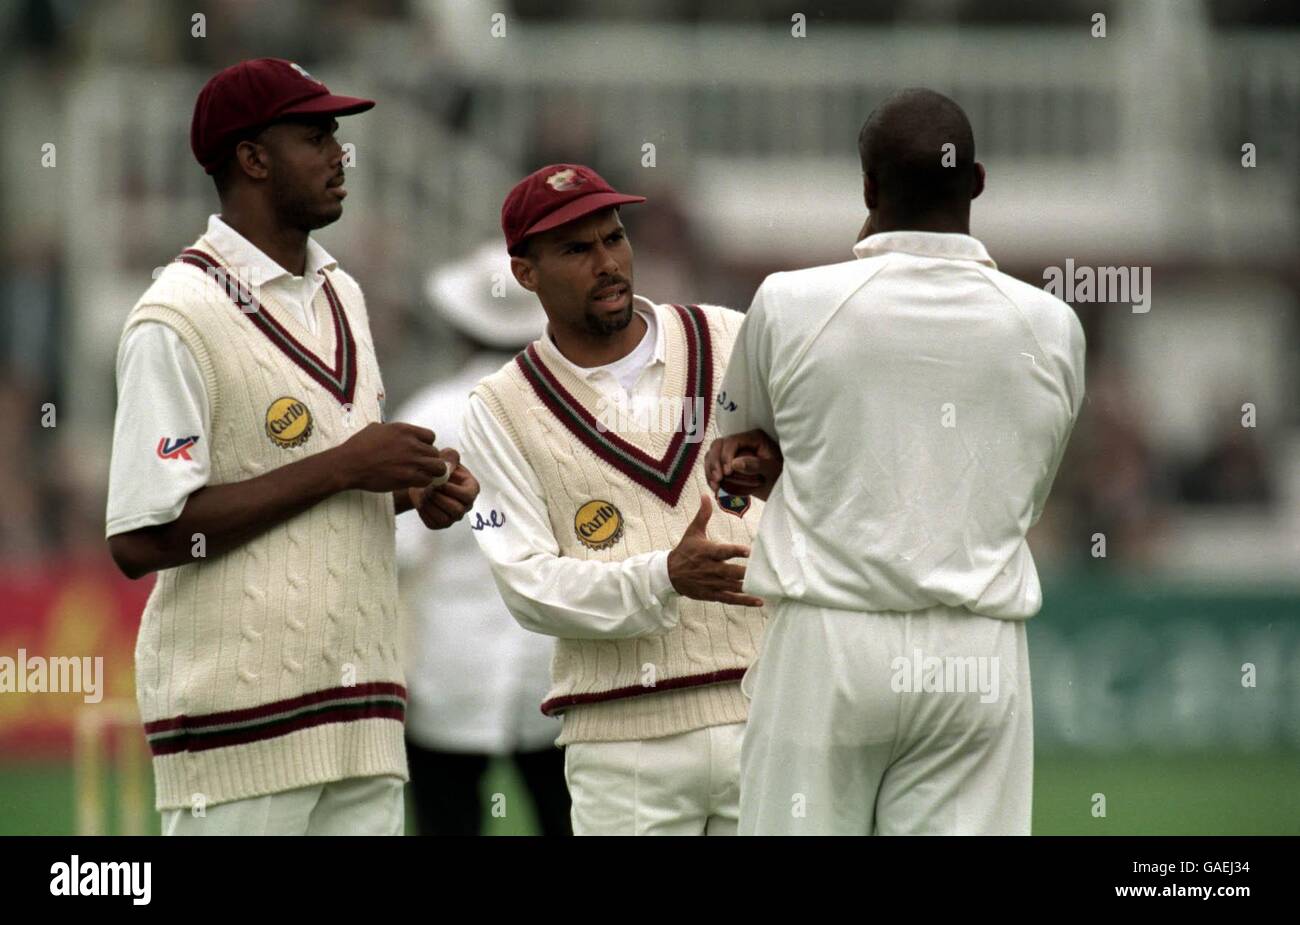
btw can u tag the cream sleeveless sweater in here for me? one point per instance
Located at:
(614, 493)
(275, 665)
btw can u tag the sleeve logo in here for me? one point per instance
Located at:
(288, 422)
(176, 447)
(494, 519)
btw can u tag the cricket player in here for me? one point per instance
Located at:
(598, 523)
(921, 402)
(251, 470)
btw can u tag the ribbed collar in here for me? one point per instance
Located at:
(924, 244)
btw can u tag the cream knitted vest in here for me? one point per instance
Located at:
(275, 665)
(611, 495)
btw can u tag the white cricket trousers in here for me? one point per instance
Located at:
(356, 806)
(686, 784)
(889, 724)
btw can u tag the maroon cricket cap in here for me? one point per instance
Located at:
(554, 195)
(255, 93)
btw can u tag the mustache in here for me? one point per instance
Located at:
(608, 282)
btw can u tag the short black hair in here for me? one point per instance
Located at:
(902, 148)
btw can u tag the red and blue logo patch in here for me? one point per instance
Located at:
(176, 447)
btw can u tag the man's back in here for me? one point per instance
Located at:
(966, 385)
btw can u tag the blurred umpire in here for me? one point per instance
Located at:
(475, 676)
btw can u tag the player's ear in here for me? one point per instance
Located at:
(869, 191)
(977, 186)
(251, 158)
(525, 272)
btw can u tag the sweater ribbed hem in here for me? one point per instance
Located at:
(653, 716)
(319, 755)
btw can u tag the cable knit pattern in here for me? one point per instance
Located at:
(275, 665)
(600, 686)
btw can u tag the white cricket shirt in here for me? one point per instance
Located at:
(161, 399)
(546, 592)
(923, 401)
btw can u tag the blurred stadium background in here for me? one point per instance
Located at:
(1117, 151)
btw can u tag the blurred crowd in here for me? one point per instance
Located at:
(1115, 479)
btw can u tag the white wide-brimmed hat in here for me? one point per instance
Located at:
(480, 297)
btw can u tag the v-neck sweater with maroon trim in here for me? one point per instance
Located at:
(666, 683)
(275, 665)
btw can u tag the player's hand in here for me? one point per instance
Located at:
(440, 506)
(698, 567)
(388, 457)
(744, 464)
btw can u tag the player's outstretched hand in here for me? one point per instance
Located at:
(698, 567)
(388, 457)
(442, 503)
(744, 464)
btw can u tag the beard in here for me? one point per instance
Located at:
(604, 327)
(299, 208)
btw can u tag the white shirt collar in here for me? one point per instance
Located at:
(924, 244)
(261, 269)
(640, 305)
(661, 340)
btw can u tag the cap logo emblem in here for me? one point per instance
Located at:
(563, 180)
(301, 70)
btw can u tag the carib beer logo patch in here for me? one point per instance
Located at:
(599, 524)
(288, 422)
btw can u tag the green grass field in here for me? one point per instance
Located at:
(1178, 794)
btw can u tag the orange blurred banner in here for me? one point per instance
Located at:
(65, 610)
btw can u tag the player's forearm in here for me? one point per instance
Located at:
(577, 599)
(549, 593)
(226, 516)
